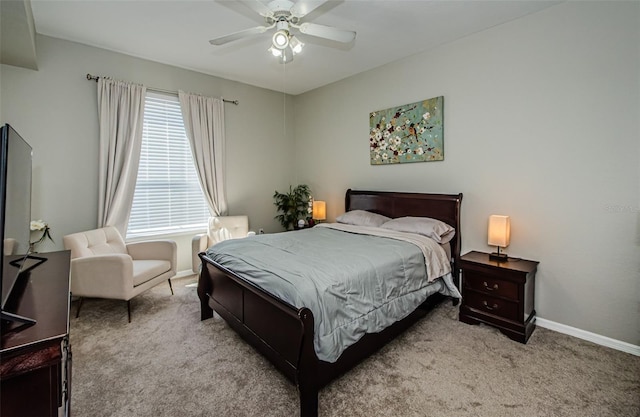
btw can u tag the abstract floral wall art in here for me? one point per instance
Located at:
(410, 133)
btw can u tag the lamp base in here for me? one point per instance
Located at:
(498, 257)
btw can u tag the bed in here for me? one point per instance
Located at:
(285, 334)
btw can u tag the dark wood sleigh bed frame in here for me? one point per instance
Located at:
(284, 333)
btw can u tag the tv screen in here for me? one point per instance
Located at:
(17, 192)
(15, 209)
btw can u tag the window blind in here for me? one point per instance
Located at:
(168, 198)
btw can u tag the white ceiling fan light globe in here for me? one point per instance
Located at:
(275, 51)
(297, 49)
(280, 39)
(296, 45)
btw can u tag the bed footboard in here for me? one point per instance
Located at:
(281, 332)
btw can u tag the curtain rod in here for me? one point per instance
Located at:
(159, 90)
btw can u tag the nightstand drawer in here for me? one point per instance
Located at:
(492, 305)
(490, 285)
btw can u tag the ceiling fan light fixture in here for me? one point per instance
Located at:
(284, 16)
(296, 45)
(275, 51)
(280, 39)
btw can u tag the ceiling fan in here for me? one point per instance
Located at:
(283, 16)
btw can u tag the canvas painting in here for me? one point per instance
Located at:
(410, 133)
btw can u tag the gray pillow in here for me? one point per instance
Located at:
(362, 218)
(435, 229)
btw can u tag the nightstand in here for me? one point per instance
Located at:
(499, 294)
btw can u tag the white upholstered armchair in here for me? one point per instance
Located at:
(220, 228)
(104, 266)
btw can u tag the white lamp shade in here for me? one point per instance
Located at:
(499, 230)
(296, 45)
(280, 39)
(319, 210)
(275, 52)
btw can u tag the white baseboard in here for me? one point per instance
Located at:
(591, 337)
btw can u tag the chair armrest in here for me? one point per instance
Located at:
(115, 279)
(199, 243)
(154, 249)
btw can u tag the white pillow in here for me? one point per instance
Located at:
(435, 229)
(362, 218)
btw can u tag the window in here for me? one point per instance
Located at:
(168, 198)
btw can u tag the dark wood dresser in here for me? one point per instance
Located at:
(35, 361)
(500, 294)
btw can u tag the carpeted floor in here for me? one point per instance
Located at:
(167, 362)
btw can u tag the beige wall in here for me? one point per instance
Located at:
(55, 110)
(542, 124)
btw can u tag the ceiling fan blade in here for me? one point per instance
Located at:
(258, 7)
(304, 7)
(239, 35)
(327, 32)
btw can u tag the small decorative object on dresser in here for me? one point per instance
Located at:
(500, 294)
(39, 226)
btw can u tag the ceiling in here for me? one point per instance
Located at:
(177, 32)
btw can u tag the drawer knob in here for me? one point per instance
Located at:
(488, 307)
(490, 288)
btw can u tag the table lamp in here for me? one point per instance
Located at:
(319, 210)
(499, 235)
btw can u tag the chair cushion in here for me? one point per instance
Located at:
(145, 270)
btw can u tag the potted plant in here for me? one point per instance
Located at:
(292, 206)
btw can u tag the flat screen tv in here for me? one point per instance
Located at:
(15, 219)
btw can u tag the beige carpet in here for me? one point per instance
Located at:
(169, 363)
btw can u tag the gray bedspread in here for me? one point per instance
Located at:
(353, 282)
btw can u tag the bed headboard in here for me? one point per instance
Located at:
(444, 207)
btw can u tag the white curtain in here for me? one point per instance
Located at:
(121, 114)
(204, 125)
